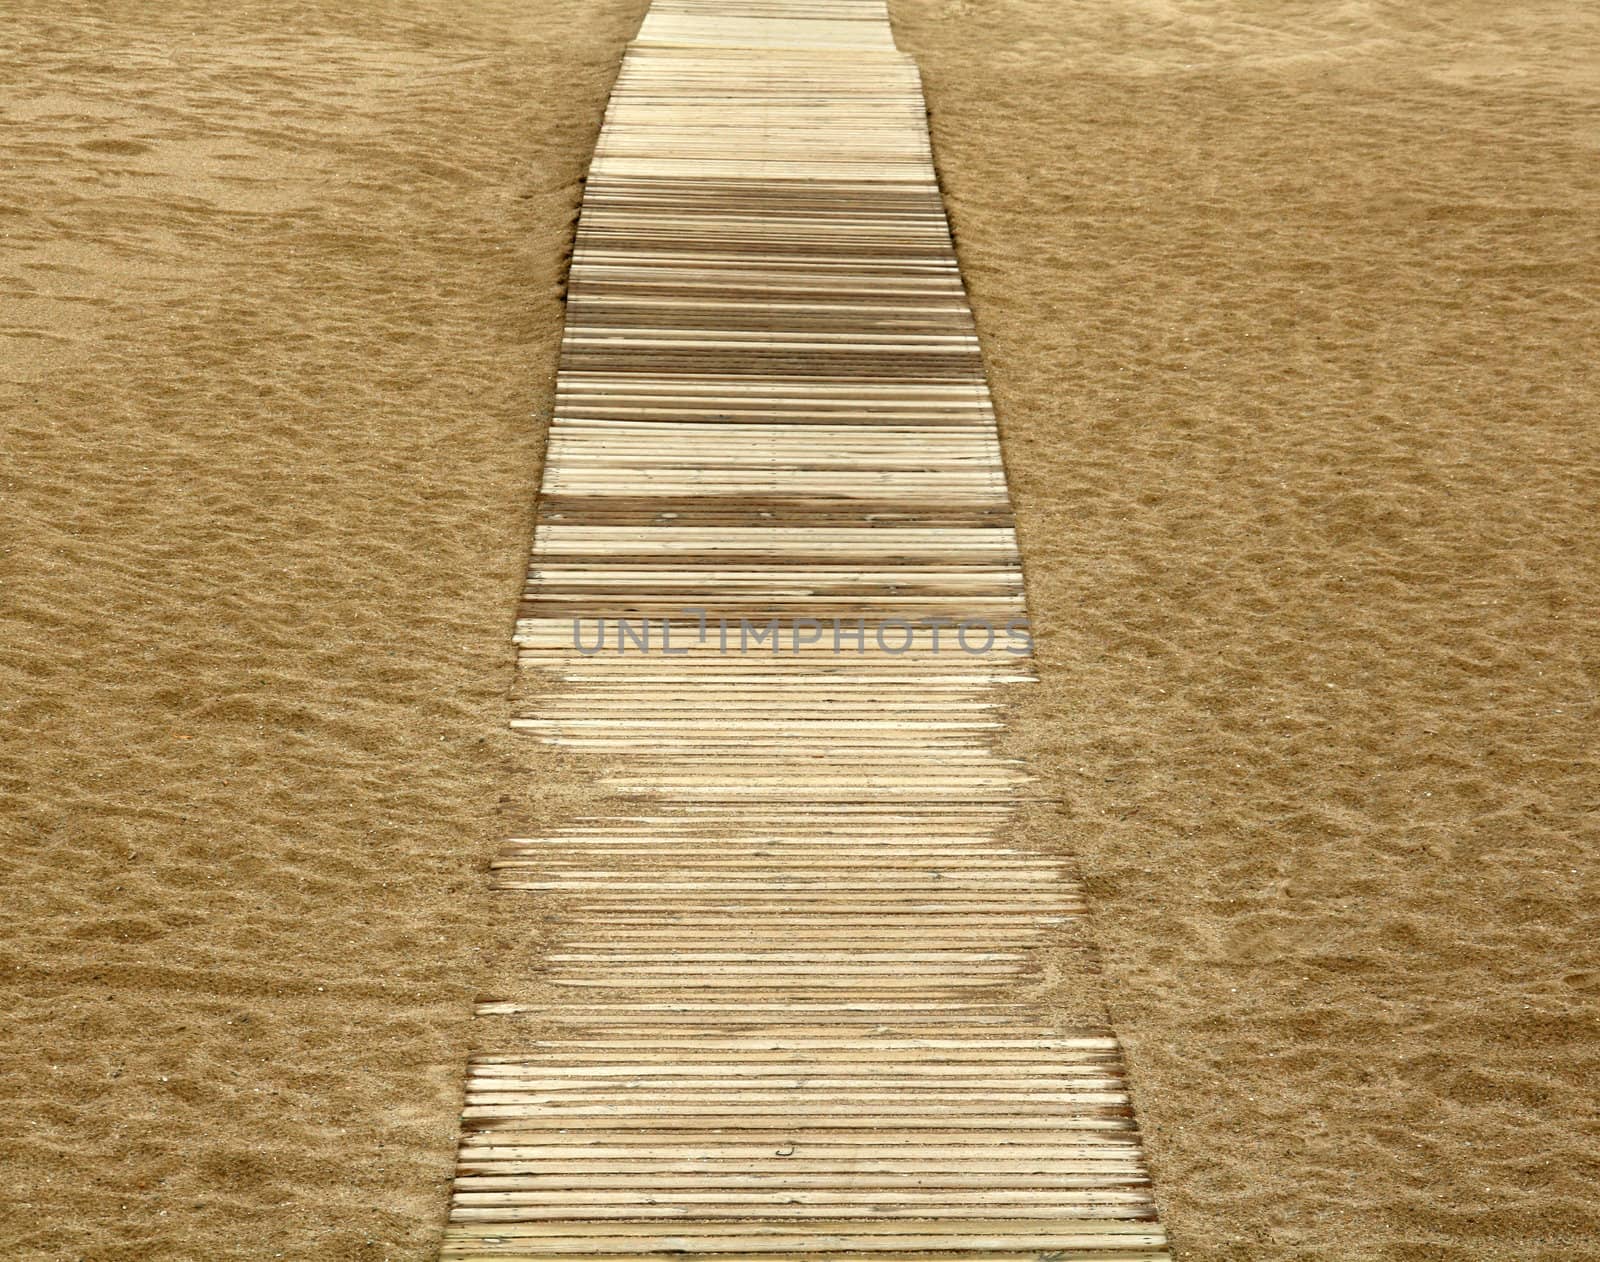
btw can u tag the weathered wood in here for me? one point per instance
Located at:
(790, 1005)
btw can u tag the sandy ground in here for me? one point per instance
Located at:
(1290, 313)
(282, 297)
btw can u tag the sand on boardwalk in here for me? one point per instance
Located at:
(1289, 311)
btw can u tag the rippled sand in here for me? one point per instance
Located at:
(1290, 311)
(1290, 314)
(281, 298)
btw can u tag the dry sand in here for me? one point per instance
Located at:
(291, 298)
(1290, 313)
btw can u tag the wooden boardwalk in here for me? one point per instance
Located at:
(799, 966)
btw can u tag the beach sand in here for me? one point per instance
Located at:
(1289, 313)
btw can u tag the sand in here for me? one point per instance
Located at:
(1289, 315)
(293, 277)
(1289, 312)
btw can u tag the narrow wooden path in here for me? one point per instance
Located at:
(799, 974)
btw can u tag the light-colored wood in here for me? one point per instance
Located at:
(790, 1004)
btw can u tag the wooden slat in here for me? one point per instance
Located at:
(789, 1007)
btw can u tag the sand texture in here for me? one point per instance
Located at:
(290, 297)
(1290, 315)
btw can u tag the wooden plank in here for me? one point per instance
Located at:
(787, 1007)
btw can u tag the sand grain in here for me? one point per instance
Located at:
(1289, 312)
